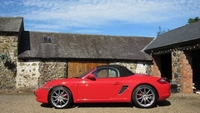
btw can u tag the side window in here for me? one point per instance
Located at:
(112, 73)
(106, 73)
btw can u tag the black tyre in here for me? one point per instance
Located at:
(144, 96)
(60, 97)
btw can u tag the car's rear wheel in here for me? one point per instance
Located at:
(144, 96)
(60, 97)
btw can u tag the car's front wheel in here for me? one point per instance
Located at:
(60, 97)
(144, 96)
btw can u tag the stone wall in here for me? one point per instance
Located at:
(27, 75)
(51, 70)
(8, 47)
(32, 74)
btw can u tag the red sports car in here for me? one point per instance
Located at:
(102, 84)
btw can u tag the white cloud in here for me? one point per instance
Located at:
(95, 13)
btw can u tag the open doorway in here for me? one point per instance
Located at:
(166, 66)
(196, 66)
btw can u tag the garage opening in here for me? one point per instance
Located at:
(166, 65)
(196, 66)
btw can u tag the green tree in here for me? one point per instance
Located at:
(192, 20)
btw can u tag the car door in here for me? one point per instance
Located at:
(104, 87)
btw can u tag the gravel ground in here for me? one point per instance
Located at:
(25, 103)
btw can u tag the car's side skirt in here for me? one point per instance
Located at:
(102, 100)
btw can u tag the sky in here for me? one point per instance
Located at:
(102, 17)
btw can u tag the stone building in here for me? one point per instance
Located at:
(10, 31)
(176, 55)
(37, 57)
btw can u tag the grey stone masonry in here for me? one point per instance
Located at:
(8, 47)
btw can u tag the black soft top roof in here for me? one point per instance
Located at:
(122, 70)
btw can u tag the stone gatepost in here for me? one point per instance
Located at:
(182, 71)
(187, 73)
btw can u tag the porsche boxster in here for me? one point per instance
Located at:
(105, 84)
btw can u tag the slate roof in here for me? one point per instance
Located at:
(63, 45)
(11, 24)
(181, 35)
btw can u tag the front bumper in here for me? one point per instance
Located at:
(41, 95)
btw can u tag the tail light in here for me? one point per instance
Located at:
(163, 80)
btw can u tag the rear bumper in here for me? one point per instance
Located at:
(164, 91)
(165, 96)
(41, 95)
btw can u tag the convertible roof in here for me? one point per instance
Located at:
(122, 70)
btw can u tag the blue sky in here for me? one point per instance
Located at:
(104, 17)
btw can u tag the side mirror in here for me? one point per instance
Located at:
(91, 77)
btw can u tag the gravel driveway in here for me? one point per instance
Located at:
(177, 103)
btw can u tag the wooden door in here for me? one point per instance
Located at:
(77, 68)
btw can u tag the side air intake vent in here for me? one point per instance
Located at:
(123, 89)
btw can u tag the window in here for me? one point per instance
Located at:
(47, 40)
(106, 73)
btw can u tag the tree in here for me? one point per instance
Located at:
(192, 20)
(161, 31)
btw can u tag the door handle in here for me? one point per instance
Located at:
(116, 83)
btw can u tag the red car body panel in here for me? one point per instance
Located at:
(101, 90)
